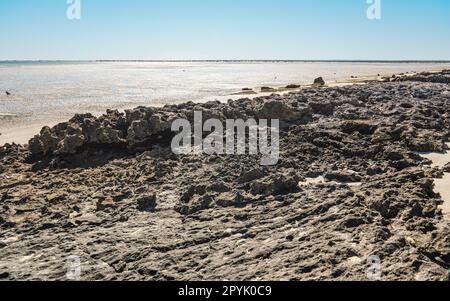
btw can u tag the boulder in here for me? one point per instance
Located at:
(319, 82)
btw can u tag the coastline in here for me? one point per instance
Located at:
(21, 134)
(132, 210)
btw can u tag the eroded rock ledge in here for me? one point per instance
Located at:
(143, 125)
(109, 190)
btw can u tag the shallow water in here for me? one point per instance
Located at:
(47, 93)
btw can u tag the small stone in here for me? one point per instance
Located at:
(319, 82)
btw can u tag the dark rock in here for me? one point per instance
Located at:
(446, 168)
(93, 181)
(267, 89)
(146, 202)
(319, 82)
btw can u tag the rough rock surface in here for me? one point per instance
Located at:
(110, 191)
(319, 82)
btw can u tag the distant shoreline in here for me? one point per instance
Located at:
(228, 61)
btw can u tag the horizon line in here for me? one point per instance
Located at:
(234, 60)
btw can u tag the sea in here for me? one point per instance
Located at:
(47, 92)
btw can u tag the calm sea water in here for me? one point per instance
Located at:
(47, 93)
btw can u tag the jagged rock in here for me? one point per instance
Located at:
(113, 129)
(426, 77)
(140, 113)
(319, 82)
(446, 168)
(274, 109)
(72, 141)
(44, 143)
(211, 208)
(99, 133)
(138, 132)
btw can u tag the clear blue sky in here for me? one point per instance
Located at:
(224, 29)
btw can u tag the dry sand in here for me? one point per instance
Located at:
(438, 159)
(20, 135)
(441, 186)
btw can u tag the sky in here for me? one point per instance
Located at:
(225, 29)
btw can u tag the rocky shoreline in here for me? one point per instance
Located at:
(109, 190)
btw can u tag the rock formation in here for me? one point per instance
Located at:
(109, 190)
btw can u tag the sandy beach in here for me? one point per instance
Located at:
(363, 172)
(21, 134)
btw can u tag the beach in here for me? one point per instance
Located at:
(46, 93)
(362, 174)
